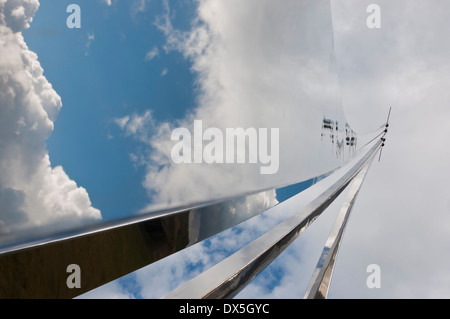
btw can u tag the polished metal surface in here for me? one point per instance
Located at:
(307, 99)
(36, 267)
(319, 284)
(302, 99)
(229, 277)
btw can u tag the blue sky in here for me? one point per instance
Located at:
(103, 79)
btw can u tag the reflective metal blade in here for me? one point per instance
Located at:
(229, 277)
(320, 281)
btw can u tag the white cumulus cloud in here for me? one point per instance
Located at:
(33, 192)
(258, 66)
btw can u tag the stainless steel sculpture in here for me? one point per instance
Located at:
(230, 276)
(324, 156)
(111, 251)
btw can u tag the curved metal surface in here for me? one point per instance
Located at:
(229, 277)
(302, 48)
(320, 280)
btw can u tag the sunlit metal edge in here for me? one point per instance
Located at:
(48, 237)
(32, 268)
(102, 226)
(319, 284)
(227, 278)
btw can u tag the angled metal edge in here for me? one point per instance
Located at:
(37, 266)
(227, 278)
(319, 284)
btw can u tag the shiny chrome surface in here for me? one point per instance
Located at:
(229, 277)
(302, 48)
(33, 261)
(36, 268)
(320, 281)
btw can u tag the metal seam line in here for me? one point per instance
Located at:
(36, 268)
(319, 284)
(105, 252)
(14, 245)
(230, 276)
(88, 230)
